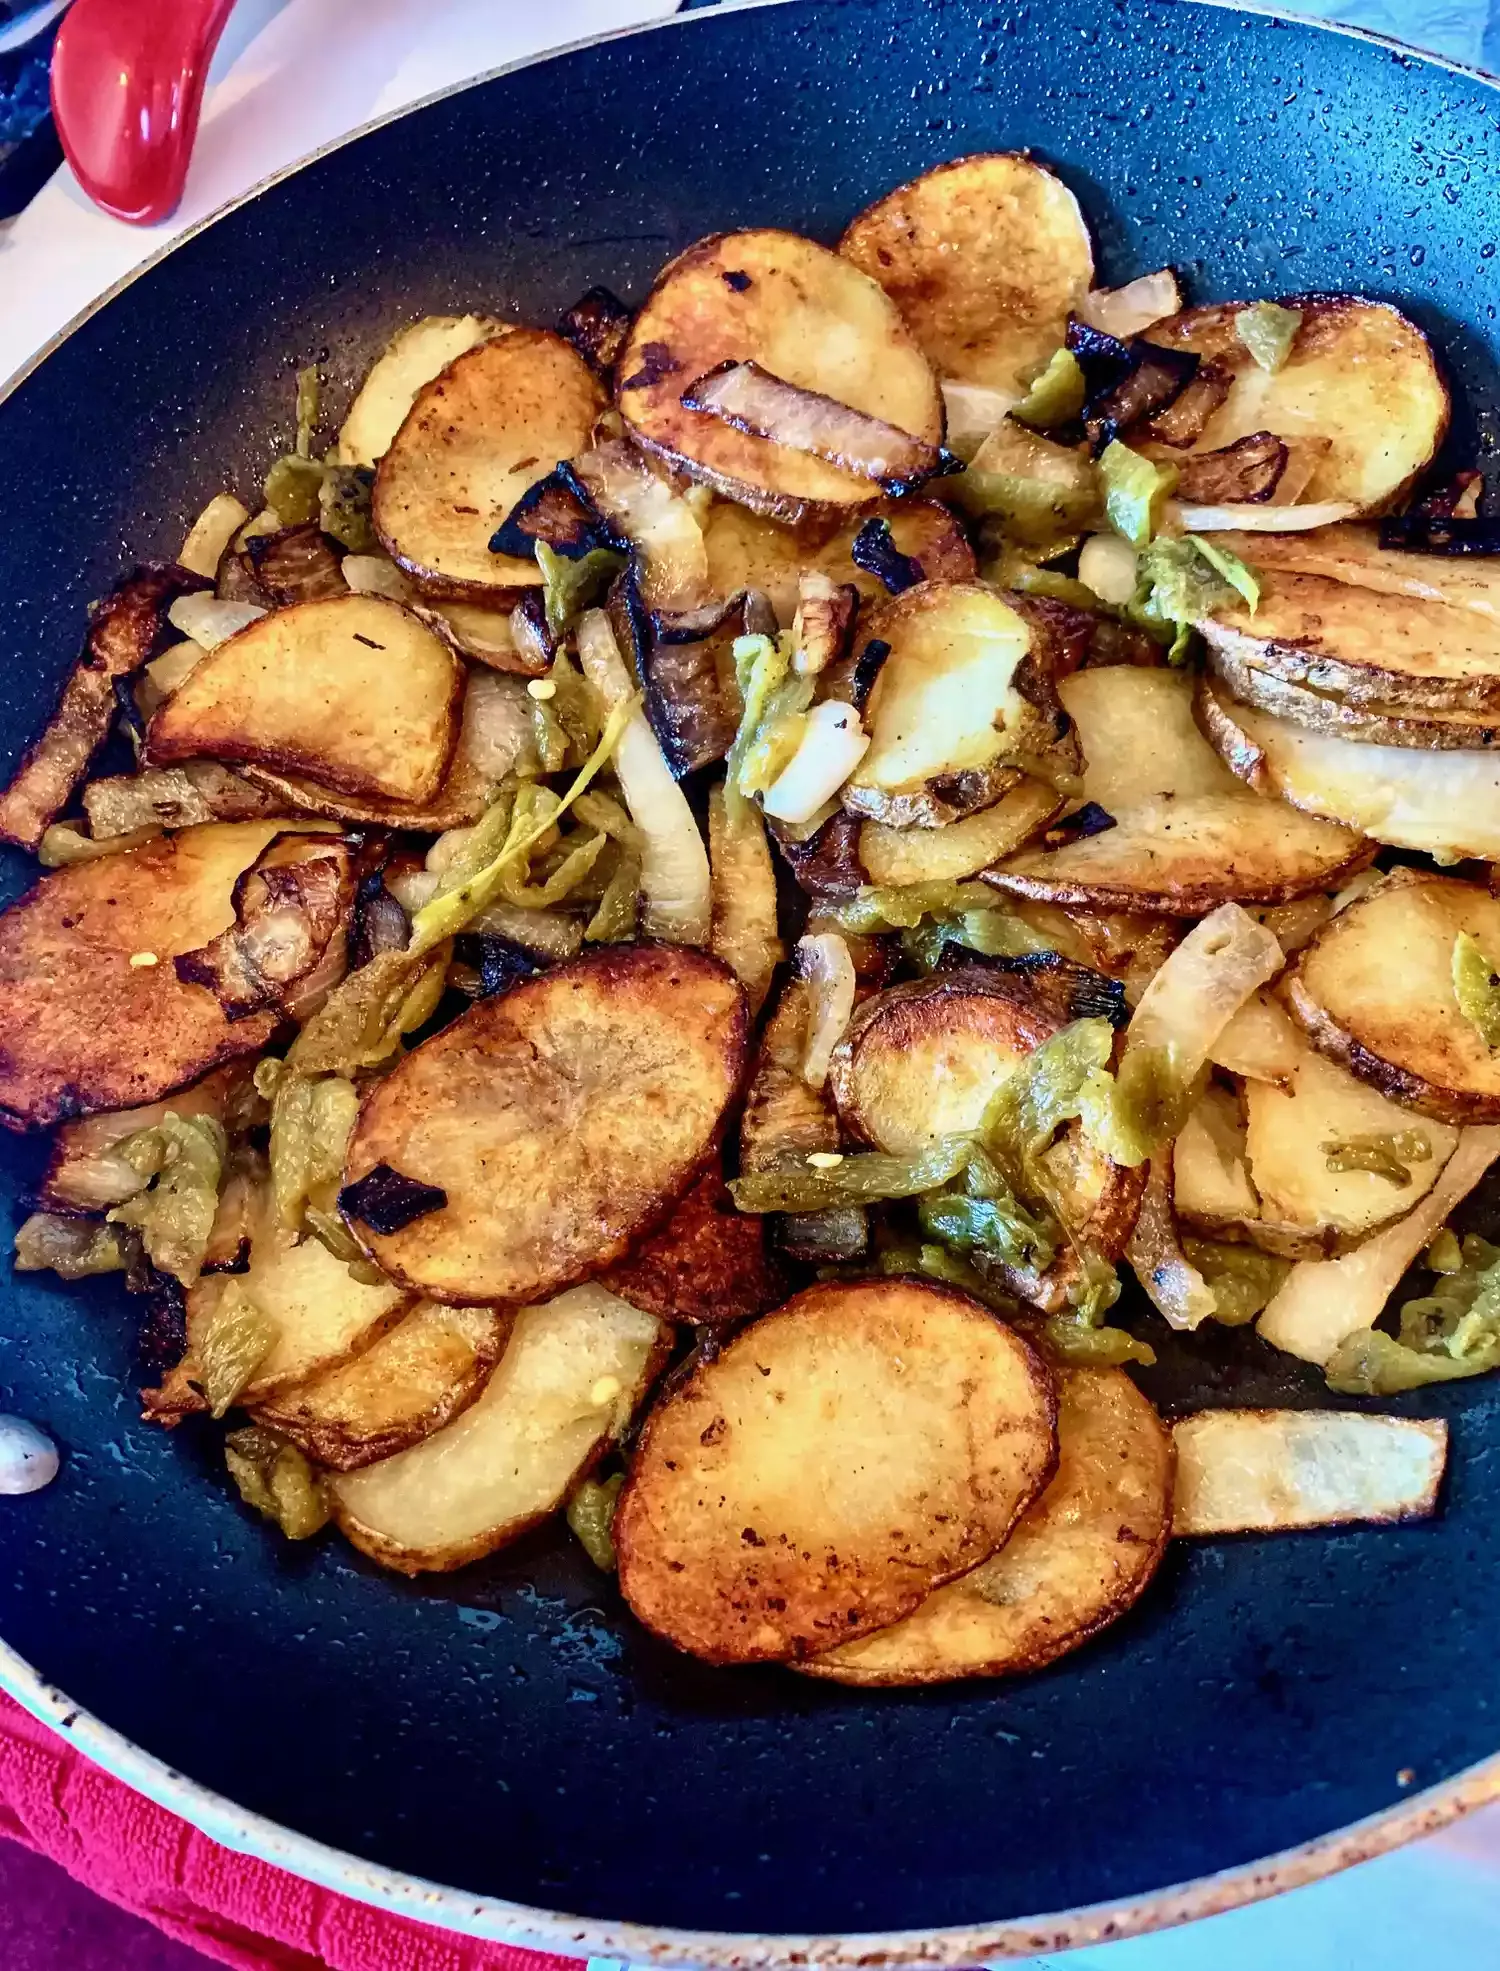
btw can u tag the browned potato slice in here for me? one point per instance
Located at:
(353, 692)
(805, 315)
(985, 257)
(1423, 729)
(1128, 945)
(1078, 1559)
(1376, 650)
(572, 1373)
(938, 855)
(411, 1382)
(561, 1119)
(83, 1028)
(747, 551)
(829, 1468)
(1359, 373)
(1186, 857)
(320, 1316)
(922, 1061)
(958, 700)
(411, 359)
(1268, 1471)
(1374, 992)
(1139, 737)
(496, 420)
(707, 1264)
(1353, 554)
(1444, 803)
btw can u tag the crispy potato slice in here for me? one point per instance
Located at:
(707, 1264)
(1390, 651)
(476, 438)
(320, 1314)
(353, 692)
(805, 315)
(830, 1467)
(82, 1028)
(1352, 554)
(922, 1061)
(1268, 1471)
(958, 699)
(408, 1384)
(562, 1120)
(1186, 857)
(409, 361)
(1446, 804)
(985, 257)
(1422, 729)
(938, 855)
(1374, 992)
(1079, 1557)
(572, 1373)
(1359, 373)
(747, 551)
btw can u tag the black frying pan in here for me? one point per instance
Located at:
(508, 1730)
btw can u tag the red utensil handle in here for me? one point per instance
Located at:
(127, 84)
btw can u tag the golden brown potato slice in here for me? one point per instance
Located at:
(1211, 1186)
(707, 1264)
(353, 692)
(1420, 728)
(836, 1462)
(959, 700)
(561, 1120)
(985, 257)
(1139, 737)
(476, 438)
(1446, 804)
(318, 1314)
(410, 360)
(798, 311)
(1374, 992)
(747, 551)
(1078, 1559)
(1390, 651)
(408, 1384)
(948, 854)
(1268, 1471)
(1352, 553)
(922, 1061)
(571, 1375)
(1128, 945)
(1261, 1043)
(1359, 374)
(82, 1028)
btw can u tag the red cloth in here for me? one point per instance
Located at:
(236, 1910)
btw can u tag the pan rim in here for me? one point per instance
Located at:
(495, 1920)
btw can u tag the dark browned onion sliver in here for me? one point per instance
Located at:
(1429, 534)
(1125, 381)
(556, 510)
(761, 405)
(386, 1201)
(874, 550)
(597, 325)
(1250, 469)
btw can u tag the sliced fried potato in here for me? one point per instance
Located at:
(800, 312)
(1446, 804)
(923, 1060)
(1211, 1186)
(476, 438)
(409, 361)
(1359, 374)
(1374, 992)
(408, 1384)
(82, 1027)
(938, 855)
(1353, 554)
(572, 1373)
(1261, 1043)
(1268, 1471)
(955, 709)
(747, 551)
(317, 1313)
(1390, 651)
(985, 257)
(354, 693)
(561, 1120)
(829, 1468)
(707, 1264)
(1421, 728)
(1128, 945)
(1139, 737)
(1079, 1557)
